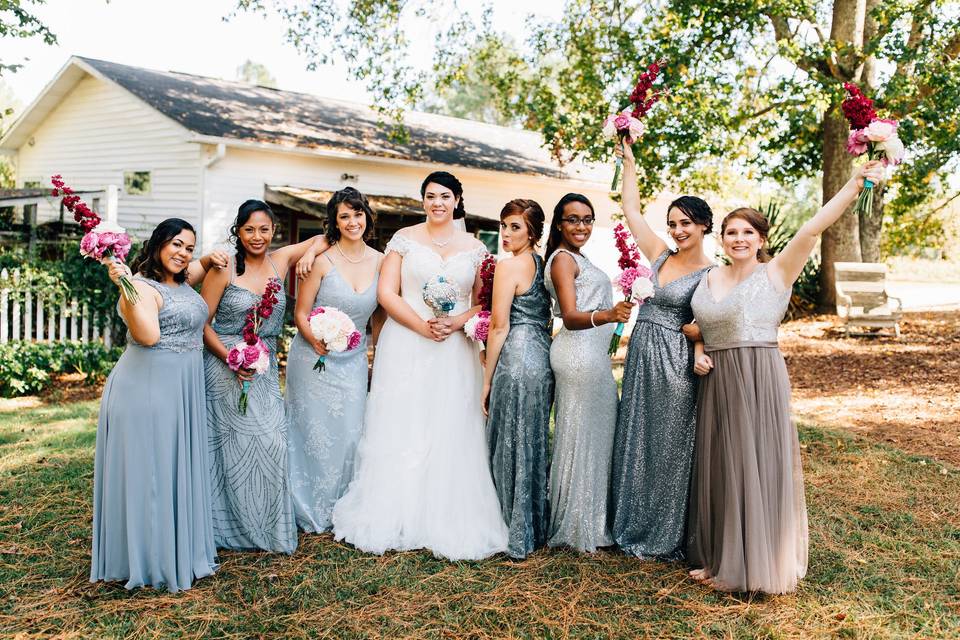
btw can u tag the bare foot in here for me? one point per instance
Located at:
(700, 575)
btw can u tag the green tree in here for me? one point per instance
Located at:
(17, 20)
(256, 73)
(756, 83)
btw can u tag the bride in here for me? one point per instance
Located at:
(422, 478)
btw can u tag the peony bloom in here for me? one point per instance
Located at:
(354, 340)
(609, 129)
(881, 129)
(234, 359)
(642, 289)
(856, 142)
(893, 150)
(622, 122)
(262, 363)
(90, 245)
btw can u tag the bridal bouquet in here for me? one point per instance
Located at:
(626, 125)
(335, 329)
(477, 328)
(252, 353)
(440, 295)
(876, 137)
(102, 241)
(635, 281)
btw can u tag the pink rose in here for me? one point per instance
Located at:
(250, 355)
(354, 341)
(90, 244)
(880, 129)
(622, 122)
(857, 142)
(234, 359)
(121, 247)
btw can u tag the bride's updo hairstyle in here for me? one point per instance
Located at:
(448, 180)
(756, 220)
(246, 210)
(553, 240)
(533, 217)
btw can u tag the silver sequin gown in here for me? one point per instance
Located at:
(151, 475)
(653, 445)
(748, 516)
(252, 507)
(518, 428)
(585, 418)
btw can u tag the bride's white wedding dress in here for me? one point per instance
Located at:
(422, 478)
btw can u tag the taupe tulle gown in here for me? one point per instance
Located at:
(748, 516)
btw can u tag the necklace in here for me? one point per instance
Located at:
(441, 243)
(363, 253)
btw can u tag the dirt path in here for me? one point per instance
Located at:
(905, 392)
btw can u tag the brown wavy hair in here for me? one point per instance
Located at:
(532, 214)
(756, 220)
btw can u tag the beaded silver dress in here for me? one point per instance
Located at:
(653, 446)
(585, 417)
(518, 428)
(748, 517)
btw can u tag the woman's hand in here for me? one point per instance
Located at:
(117, 270)
(692, 331)
(624, 151)
(305, 263)
(219, 259)
(702, 364)
(320, 347)
(872, 171)
(621, 312)
(245, 375)
(440, 328)
(483, 358)
(485, 399)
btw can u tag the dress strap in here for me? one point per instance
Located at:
(275, 271)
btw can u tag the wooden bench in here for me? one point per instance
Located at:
(862, 299)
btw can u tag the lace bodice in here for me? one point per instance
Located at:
(750, 313)
(182, 317)
(420, 263)
(670, 305)
(594, 288)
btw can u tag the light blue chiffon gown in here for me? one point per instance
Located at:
(325, 409)
(151, 486)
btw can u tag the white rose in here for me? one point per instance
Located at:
(338, 344)
(642, 289)
(262, 363)
(893, 149)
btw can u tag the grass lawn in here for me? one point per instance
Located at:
(884, 562)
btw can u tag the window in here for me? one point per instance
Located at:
(491, 239)
(136, 183)
(32, 184)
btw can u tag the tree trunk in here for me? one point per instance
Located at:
(841, 241)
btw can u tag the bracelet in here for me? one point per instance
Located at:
(592, 323)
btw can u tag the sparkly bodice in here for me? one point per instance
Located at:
(182, 317)
(593, 286)
(670, 305)
(421, 263)
(232, 312)
(749, 314)
(533, 306)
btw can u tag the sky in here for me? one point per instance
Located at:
(191, 36)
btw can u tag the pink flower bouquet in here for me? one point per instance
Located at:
(335, 329)
(255, 357)
(635, 281)
(477, 328)
(627, 126)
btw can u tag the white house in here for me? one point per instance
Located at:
(183, 145)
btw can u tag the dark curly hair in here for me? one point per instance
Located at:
(532, 214)
(553, 240)
(449, 181)
(353, 199)
(246, 210)
(148, 263)
(694, 208)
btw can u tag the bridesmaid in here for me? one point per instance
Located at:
(518, 382)
(252, 508)
(151, 485)
(653, 445)
(586, 393)
(748, 518)
(325, 409)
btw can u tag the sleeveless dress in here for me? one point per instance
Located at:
(748, 517)
(656, 426)
(585, 418)
(151, 483)
(422, 477)
(252, 508)
(325, 409)
(518, 427)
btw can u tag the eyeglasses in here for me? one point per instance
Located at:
(576, 222)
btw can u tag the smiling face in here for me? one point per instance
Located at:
(352, 223)
(439, 203)
(684, 231)
(256, 233)
(741, 241)
(576, 225)
(514, 233)
(177, 254)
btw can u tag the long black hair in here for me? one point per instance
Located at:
(353, 199)
(694, 208)
(449, 181)
(148, 263)
(553, 240)
(246, 210)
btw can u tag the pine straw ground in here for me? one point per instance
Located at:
(884, 535)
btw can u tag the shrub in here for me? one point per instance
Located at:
(31, 367)
(806, 289)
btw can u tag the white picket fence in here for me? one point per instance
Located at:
(40, 316)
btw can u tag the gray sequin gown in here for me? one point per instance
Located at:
(653, 445)
(252, 507)
(748, 516)
(325, 409)
(585, 418)
(518, 427)
(151, 483)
